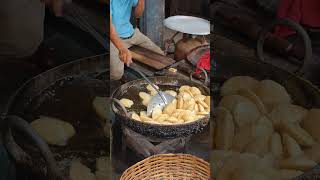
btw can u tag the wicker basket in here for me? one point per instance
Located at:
(169, 166)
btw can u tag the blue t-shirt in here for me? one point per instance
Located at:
(120, 12)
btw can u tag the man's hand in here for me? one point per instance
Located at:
(125, 56)
(56, 5)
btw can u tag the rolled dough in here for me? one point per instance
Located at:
(53, 131)
(100, 105)
(79, 171)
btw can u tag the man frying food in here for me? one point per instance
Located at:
(123, 35)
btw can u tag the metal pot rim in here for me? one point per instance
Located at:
(115, 110)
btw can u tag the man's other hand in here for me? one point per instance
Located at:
(125, 56)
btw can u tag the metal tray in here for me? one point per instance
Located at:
(188, 24)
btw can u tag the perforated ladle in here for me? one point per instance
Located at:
(160, 100)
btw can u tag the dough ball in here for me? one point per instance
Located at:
(270, 173)
(287, 113)
(180, 102)
(263, 127)
(192, 107)
(245, 113)
(170, 108)
(291, 146)
(217, 157)
(173, 120)
(156, 112)
(100, 106)
(195, 91)
(79, 171)
(203, 113)
(268, 161)
(247, 160)
(220, 155)
(276, 145)
(185, 96)
(103, 168)
(312, 123)
(300, 163)
(230, 101)
(107, 129)
(313, 153)
(203, 104)
(177, 113)
(53, 131)
(126, 102)
(272, 93)
(224, 129)
(248, 174)
(173, 70)
(143, 113)
(207, 100)
(144, 95)
(252, 167)
(232, 85)
(166, 123)
(229, 166)
(189, 116)
(189, 104)
(299, 134)
(103, 164)
(184, 88)
(197, 117)
(261, 137)
(151, 89)
(162, 117)
(153, 93)
(253, 98)
(249, 163)
(171, 92)
(243, 136)
(289, 174)
(200, 97)
(135, 116)
(146, 119)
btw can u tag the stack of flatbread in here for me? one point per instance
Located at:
(260, 134)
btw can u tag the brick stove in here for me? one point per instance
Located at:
(147, 146)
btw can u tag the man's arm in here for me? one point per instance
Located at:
(138, 11)
(124, 54)
(114, 36)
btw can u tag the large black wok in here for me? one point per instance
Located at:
(302, 91)
(65, 92)
(131, 91)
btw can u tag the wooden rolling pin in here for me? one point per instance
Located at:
(150, 58)
(146, 60)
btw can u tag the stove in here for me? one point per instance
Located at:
(130, 147)
(147, 146)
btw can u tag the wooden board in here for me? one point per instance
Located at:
(150, 58)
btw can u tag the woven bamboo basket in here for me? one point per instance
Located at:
(169, 166)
